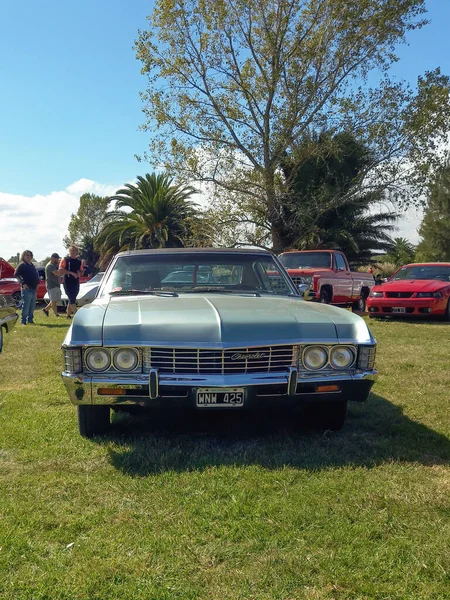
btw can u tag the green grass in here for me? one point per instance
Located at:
(224, 509)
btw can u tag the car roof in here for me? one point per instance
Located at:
(430, 264)
(297, 251)
(197, 251)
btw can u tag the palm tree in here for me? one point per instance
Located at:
(159, 217)
(401, 253)
(325, 206)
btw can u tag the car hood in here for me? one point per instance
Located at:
(413, 285)
(214, 321)
(308, 272)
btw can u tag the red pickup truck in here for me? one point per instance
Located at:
(328, 276)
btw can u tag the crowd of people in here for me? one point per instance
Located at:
(69, 267)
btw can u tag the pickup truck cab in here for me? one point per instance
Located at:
(328, 276)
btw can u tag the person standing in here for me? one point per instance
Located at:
(70, 268)
(52, 283)
(28, 276)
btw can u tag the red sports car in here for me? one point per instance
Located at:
(414, 290)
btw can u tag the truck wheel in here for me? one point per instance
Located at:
(329, 415)
(359, 305)
(325, 297)
(17, 297)
(93, 420)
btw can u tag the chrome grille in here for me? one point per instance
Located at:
(297, 279)
(265, 359)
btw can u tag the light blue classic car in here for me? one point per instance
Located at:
(238, 339)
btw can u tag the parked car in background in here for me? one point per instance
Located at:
(328, 276)
(87, 293)
(8, 317)
(242, 340)
(417, 289)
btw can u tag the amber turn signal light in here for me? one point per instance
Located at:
(111, 392)
(327, 388)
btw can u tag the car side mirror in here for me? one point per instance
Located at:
(303, 288)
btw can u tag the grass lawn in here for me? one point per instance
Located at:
(224, 509)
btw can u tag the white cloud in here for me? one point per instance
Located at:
(408, 225)
(40, 222)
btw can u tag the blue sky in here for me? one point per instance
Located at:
(70, 106)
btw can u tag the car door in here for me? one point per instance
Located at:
(344, 283)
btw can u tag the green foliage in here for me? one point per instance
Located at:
(401, 253)
(234, 86)
(435, 227)
(158, 214)
(324, 204)
(85, 225)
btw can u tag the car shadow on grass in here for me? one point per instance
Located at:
(375, 433)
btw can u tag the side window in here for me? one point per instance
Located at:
(340, 263)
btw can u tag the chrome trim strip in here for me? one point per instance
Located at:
(292, 381)
(153, 384)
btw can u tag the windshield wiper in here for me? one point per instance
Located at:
(134, 292)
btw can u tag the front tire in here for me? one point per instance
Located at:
(359, 305)
(93, 420)
(329, 415)
(17, 297)
(324, 297)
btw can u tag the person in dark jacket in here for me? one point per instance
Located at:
(28, 276)
(70, 267)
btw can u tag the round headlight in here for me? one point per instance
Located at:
(315, 357)
(98, 359)
(342, 357)
(126, 359)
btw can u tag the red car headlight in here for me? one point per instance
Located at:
(429, 295)
(376, 294)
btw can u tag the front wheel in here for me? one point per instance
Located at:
(447, 312)
(17, 297)
(324, 297)
(329, 415)
(93, 420)
(359, 305)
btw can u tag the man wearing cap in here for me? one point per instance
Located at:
(52, 282)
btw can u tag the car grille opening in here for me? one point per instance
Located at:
(399, 294)
(266, 359)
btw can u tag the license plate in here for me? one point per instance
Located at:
(399, 309)
(220, 397)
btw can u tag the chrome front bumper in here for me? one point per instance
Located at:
(143, 389)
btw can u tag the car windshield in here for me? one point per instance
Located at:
(306, 260)
(96, 279)
(423, 272)
(196, 272)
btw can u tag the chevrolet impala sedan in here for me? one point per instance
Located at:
(239, 340)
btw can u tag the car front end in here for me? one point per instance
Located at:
(216, 350)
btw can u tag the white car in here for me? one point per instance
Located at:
(86, 294)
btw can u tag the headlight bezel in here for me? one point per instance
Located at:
(102, 350)
(329, 348)
(311, 347)
(117, 351)
(429, 295)
(339, 348)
